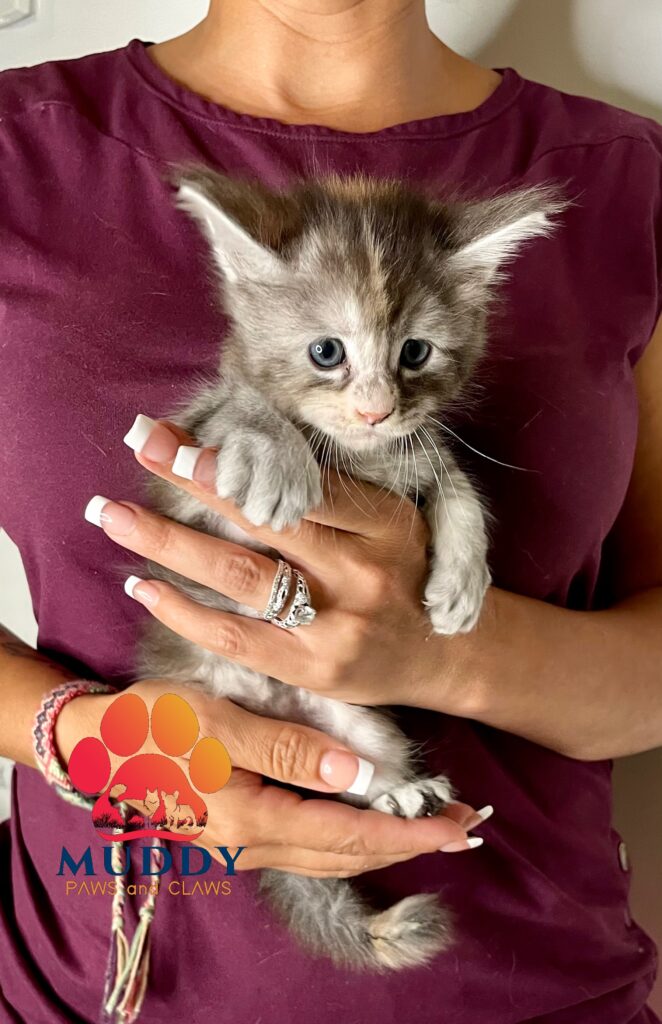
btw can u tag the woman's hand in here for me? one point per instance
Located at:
(278, 828)
(363, 553)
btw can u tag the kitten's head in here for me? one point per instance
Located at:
(358, 305)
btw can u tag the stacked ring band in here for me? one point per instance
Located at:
(300, 611)
(279, 590)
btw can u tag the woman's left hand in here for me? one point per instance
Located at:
(364, 556)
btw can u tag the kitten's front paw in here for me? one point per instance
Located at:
(274, 484)
(454, 597)
(416, 799)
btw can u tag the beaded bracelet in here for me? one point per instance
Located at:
(43, 735)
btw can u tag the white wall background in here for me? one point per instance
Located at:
(611, 49)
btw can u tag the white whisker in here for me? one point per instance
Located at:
(442, 492)
(413, 456)
(448, 475)
(403, 491)
(339, 454)
(507, 465)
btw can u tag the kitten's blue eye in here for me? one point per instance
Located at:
(327, 352)
(415, 353)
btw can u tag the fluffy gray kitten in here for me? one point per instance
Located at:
(357, 312)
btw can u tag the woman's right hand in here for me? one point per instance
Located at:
(278, 828)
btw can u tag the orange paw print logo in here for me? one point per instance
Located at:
(162, 798)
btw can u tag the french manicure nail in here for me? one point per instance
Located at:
(341, 769)
(185, 460)
(151, 439)
(478, 818)
(363, 778)
(113, 517)
(467, 844)
(140, 430)
(145, 593)
(129, 584)
(197, 464)
(94, 509)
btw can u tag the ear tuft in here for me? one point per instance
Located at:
(489, 234)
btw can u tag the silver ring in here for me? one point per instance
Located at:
(300, 611)
(279, 590)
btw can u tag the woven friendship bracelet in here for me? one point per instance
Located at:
(127, 969)
(43, 736)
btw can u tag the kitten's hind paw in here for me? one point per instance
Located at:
(418, 799)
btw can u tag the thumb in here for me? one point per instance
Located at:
(291, 753)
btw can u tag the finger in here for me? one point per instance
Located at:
(254, 643)
(283, 817)
(305, 861)
(156, 444)
(467, 817)
(301, 862)
(361, 508)
(156, 440)
(295, 754)
(348, 506)
(241, 574)
(463, 814)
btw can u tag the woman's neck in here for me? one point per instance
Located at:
(355, 66)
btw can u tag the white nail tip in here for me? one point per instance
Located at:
(474, 842)
(185, 461)
(130, 583)
(363, 778)
(485, 812)
(139, 432)
(94, 508)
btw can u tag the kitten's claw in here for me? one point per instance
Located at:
(416, 799)
(273, 484)
(454, 598)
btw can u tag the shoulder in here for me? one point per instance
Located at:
(66, 130)
(75, 85)
(576, 126)
(608, 163)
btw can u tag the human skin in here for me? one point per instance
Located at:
(278, 828)
(371, 642)
(366, 34)
(360, 66)
(355, 65)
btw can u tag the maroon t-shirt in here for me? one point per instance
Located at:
(106, 310)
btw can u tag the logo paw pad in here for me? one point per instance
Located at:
(162, 795)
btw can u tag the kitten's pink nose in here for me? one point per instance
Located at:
(374, 417)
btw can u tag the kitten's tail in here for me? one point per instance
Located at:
(329, 918)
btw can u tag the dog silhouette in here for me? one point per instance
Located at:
(179, 817)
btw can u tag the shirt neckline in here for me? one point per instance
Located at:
(437, 126)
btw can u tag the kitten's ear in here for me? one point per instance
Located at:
(243, 221)
(235, 251)
(484, 236)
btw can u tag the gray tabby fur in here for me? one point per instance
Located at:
(373, 263)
